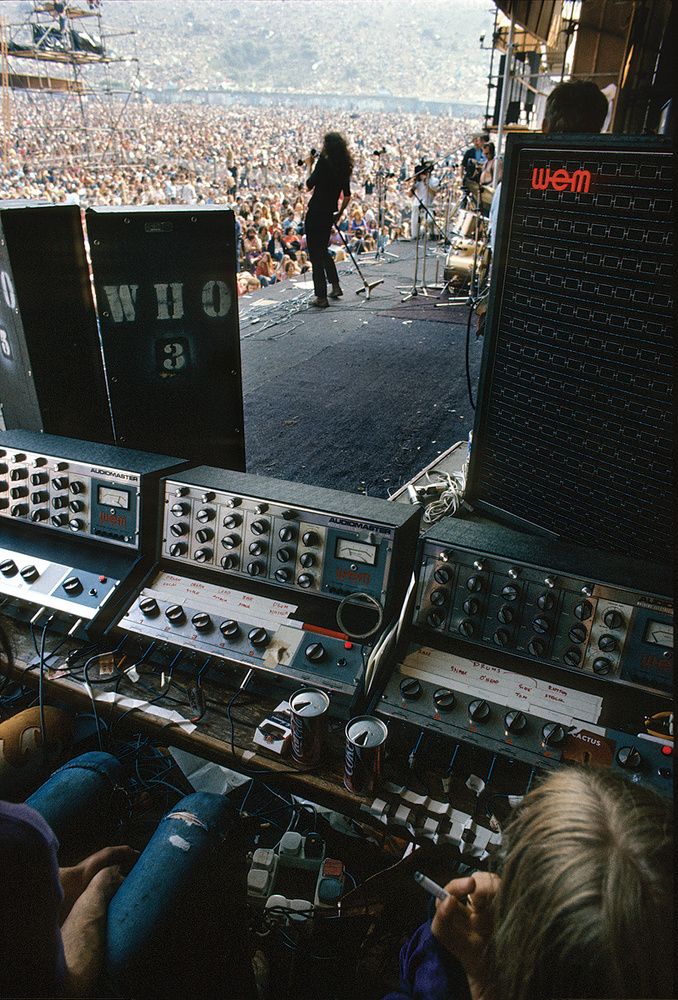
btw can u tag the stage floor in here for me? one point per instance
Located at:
(361, 395)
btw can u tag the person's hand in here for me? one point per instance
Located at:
(75, 880)
(465, 930)
(84, 932)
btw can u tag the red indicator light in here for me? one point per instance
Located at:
(348, 645)
(667, 751)
(102, 579)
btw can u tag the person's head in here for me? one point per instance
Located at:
(488, 150)
(577, 106)
(585, 903)
(477, 141)
(335, 149)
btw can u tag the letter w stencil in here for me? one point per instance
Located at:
(122, 302)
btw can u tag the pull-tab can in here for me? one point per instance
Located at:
(365, 739)
(308, 711)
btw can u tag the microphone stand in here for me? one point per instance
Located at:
(367, 285)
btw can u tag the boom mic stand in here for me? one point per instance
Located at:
(381, 254)
(367, 285)
(421, 289)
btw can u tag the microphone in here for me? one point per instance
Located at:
(300, 163)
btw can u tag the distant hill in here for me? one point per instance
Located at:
(407, 48)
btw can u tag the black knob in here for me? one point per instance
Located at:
(444, 700)
(72, 585)
(259, 527)
(203, 555)
(309, 538)
(59, 502)
(148, 606)
(307, 559)
(286, 533)
(18, 457)
(305, 580)
(258, 637)
(232, 520)
(233, 502)
(602, 666)
(315, 652)
(59, 520)
(181, 491)
(178, 529)
(436, 618)
(40, 514)
(257, 548)
(613, 619)
(77, 487)
(174, 614)
(204, 535)
(76, 524)
(501, 636)
(207, 497)
(546, 601)
(536, 647)
(442, 575)
(39, 478)
(3, 485)
(541, 625)
(8, 567)
(438, 597)
(230, 541)
(583, 611)
(514, 721)
(629, 758)
(505, 614)
(19, 510)
(577, 633)
(552, 735)
(205, 514)
(474, 584)
(471, 606)
(178, 548)
(607, 643)
(466, 627)
(60, 483)
(255, 568)
(283, 555)
(282, 575)
(229, 561)
(76, 506)
(509, 592)
(201, 621)
(179, 509)
(229, 629)
(288, 515)
(260, 508)
(572, 657)
(410, 688)
(17, 492)
(478, 710)
(16, 475)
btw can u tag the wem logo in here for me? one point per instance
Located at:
(560, 180)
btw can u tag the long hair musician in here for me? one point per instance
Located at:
(329, 181)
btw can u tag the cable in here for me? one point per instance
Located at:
(41, 699)
(357, 597)
(468, 371)
(229, 707)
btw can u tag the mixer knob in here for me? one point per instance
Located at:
(309, 538)
(552, 735)
(178, 529)
(39, 479)
(474, 584)
(30, 573)
(16, 475)
(230, 541)
(19, 510)
(40, 496)
(178, 548)
(8, 567)
(572, 657)
(201, 621)
(207, 497)
(59, 520)
(545, 601)
(541, 625)
(59, 502)
(410, 689)
(282, 575)
(76, 506)
(205, 514)
(629, 758)
(478, 710)
(18, 492)
(607, 643)
(39, 462)
(467, 627)
(602, 666)
(577, 633)
(76, 524)
(232, 521)
(72, 585)
(149, 607)
(549, 581)
(536, 647)
(229, 629)
(77, 487)
(286, 533)
(315, 652)
(505, 614)
(260, 508)
(203, 555)
(229, 561)
(479, 565)
(307, 559)
(233, 502)
(442, 575)
(283, 555)
(179, 509)
(40, 514)
(204, 535)
(257, 548)
(583, 611)
(305, 580)
(587, 590)
(436, 618)
(501, 637)
(60, 483)
(438, 597)
(255, 568)
(444, 700)
(471, 606)
(509, 592)
(18, 457)
(446, 556)
(514, 722)
(3, 485)
(3, 468)
(259, 527)
(258, 637)
(613, 619)
(514, 572)
(181, 491)
(175, 614)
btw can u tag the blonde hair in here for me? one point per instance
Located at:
(585, 903)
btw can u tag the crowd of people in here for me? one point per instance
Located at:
(242, 157)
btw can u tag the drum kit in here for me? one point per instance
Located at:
(467, 263)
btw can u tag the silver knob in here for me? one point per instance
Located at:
(587, 589)
(549, 581)
(514, 573)
(478, 565)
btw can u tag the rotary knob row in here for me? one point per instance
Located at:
(9, 568)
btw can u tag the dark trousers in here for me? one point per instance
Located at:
(324, 269)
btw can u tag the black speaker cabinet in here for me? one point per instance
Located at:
(573, 428)
(51, 368)
(165, 283)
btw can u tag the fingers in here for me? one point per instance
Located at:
(106, 883)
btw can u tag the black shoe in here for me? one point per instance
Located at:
(336, 292)
(320, 303)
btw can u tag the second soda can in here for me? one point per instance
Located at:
(308, 711)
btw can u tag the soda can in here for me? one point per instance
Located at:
(365, 739)
(308, 711)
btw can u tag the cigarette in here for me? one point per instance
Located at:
(430, 886)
